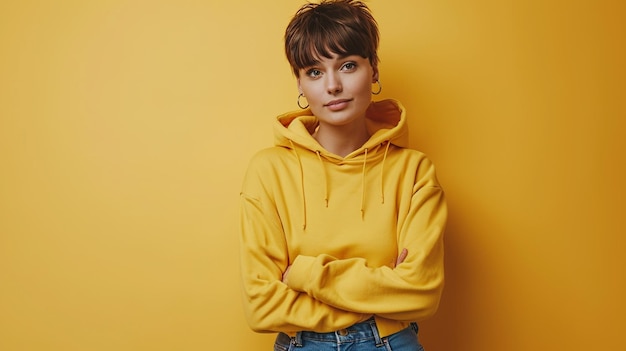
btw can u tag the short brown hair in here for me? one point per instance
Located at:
(342, 27)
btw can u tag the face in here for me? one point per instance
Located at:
(338, 89)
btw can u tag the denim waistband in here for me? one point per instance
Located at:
(366, 330)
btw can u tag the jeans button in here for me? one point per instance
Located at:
(343, 332)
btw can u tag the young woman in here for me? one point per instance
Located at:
(341, 224)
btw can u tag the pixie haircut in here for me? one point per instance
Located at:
(341, 27)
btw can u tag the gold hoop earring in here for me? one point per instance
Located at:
(380, 88)
(300, 104)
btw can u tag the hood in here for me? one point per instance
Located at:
(385, 121)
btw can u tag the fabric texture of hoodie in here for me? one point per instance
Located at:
(340, 223)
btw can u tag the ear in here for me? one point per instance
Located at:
(299, 87)
(375, 74)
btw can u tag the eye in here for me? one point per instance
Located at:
(349, 66)
(313, 73)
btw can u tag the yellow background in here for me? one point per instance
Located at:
(126, 126)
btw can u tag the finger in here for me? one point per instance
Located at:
(402, 256)
(285, 274)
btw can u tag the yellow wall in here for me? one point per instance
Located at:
(126, 126)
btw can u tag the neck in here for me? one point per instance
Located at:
(341, 140)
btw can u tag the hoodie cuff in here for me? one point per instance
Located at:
(300, 273)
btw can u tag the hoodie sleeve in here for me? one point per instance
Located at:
(408, 292)
(269, 304)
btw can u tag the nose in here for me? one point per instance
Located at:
(333, 83)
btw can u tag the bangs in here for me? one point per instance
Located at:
(322, 41)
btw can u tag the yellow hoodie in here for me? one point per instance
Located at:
(340, 222)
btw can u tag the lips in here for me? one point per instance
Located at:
(338, 104)
(335, 102)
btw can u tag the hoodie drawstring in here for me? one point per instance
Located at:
(319, 157)
(301, 184)
(382, 175)
(363, 185)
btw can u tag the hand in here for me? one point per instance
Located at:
(401, 257)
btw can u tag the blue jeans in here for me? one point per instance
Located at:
(359, 337)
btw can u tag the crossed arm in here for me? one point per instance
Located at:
(399, 260)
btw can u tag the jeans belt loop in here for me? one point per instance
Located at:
(377, 339)
(297, 340)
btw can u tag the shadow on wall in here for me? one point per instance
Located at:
(451, 325)
(463, 306)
